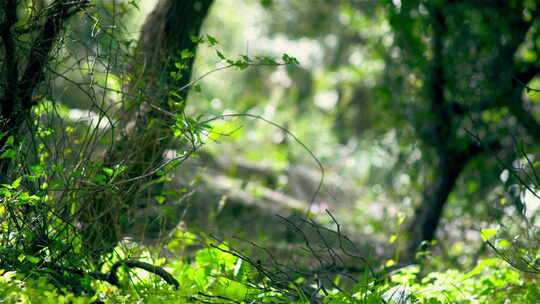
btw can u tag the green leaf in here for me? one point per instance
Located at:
(488, 233)
(289, 60)
(11, 153)
(175, 94)
(134, 4)
(211, 40)
(160, 199)
(196, 39)
(230, 289)
(176, 76)
(267, 60)
(99, 178)
(32, 259)
(483, 264)
(10, 141)
(220, 55)
(242, 65)
(503, 244)
(108, 171)
(186, 54)
(16, 183)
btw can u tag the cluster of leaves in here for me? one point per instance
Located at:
(491, 281)
(217, 276)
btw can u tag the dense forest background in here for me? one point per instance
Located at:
(276, 151)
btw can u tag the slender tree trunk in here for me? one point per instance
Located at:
(428, 215)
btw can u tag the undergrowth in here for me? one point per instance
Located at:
(217, 275)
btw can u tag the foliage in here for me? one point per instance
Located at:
(69, 184)
(393, 80)
(215, 275)
(490, 281)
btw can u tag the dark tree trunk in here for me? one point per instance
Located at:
(443, 131)
(16, 99)
(427, 216)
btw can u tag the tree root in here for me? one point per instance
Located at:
(112, 278)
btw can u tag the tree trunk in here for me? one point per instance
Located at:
(16, 99)
(428, 215)
(145, 131)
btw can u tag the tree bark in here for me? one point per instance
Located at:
(16, 99)
(144, 124)
(427, 216)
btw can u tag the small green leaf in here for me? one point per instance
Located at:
(16, 183)
(175, 75)
(289, 60)
(267, 60)
(160, 199)
(10, 141)
(108, 171)
(503, 244)
(220, 55)
(134, 4)
(197, 40)
(10, 153)
(488, 233)
(483, 264)
(186, 54)
(211, 40)
(175, 94)
(242, 65)
(99, 178)
(32, 259)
